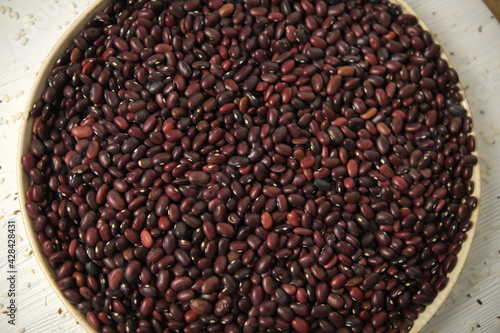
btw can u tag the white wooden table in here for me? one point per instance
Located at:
(467, 30)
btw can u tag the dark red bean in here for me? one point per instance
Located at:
(338, 281)
(449, 263)
(300, 325)
(266, 220)
(72, 296)
(81, 131)
(378, 319)
(334, 85)
(115, 200)
(210, 285)
(96, 93)
(201, 306)
(93, 321)
(88, 220)
(381, 97)
(115, 278)
(198, 177)
(181, 283)
(226, 10)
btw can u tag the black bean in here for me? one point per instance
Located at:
(457, 111)
(323, 184)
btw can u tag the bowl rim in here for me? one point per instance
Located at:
(40, 83)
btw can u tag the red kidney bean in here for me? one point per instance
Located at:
(300, 325)
(334, 84)
(201, 306)
(338, 281)
(181, 283)
(93, 321)
(115, 278)
(72, 296)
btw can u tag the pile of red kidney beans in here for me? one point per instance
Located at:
(251, 166)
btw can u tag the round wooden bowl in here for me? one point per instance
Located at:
(24, 142)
